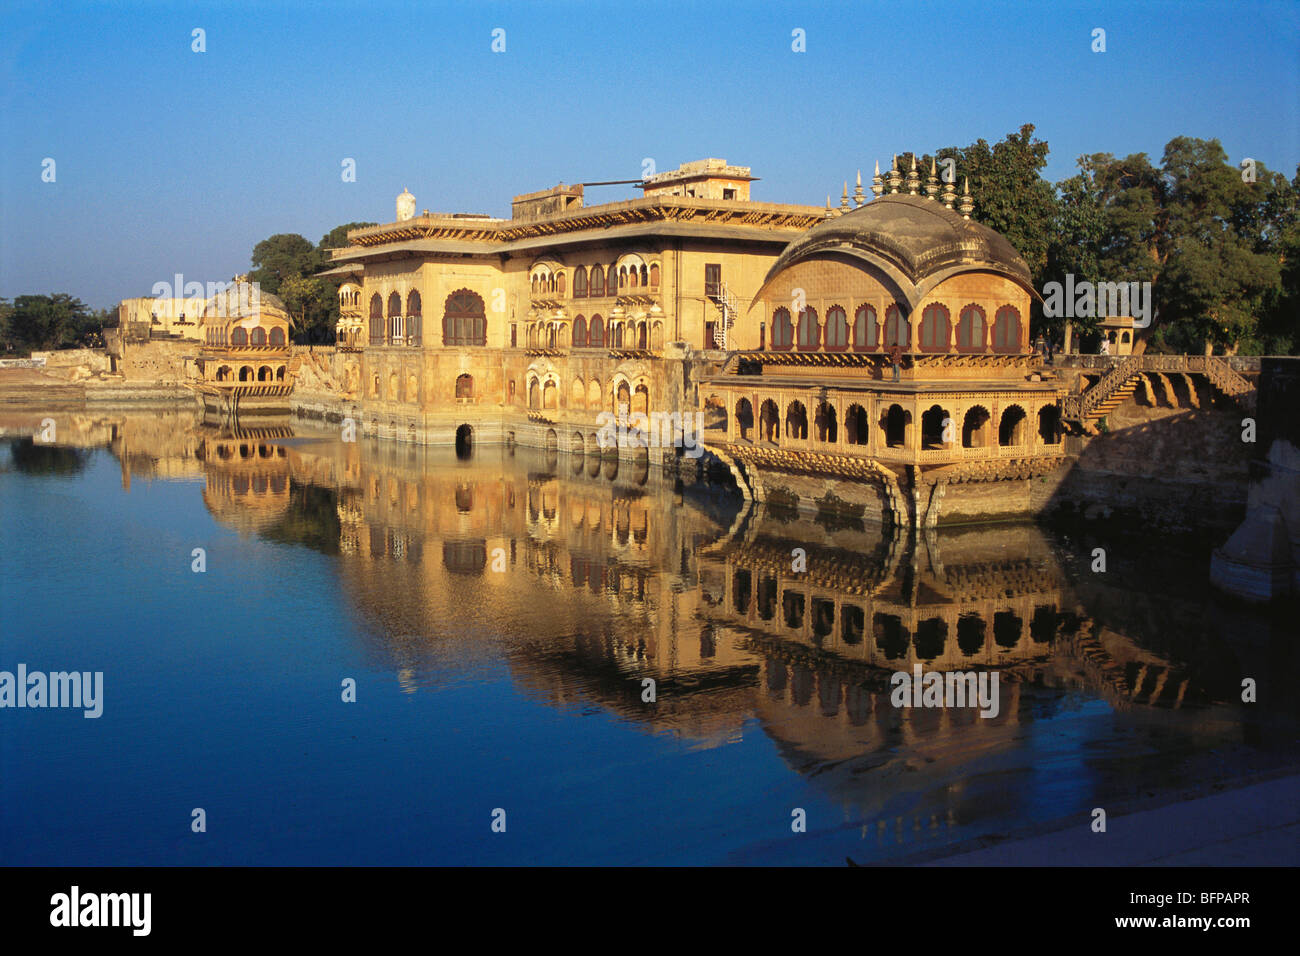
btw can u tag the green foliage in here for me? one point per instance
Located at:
(39, 322)
(281, 256)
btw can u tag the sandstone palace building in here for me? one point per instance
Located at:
(778, 323)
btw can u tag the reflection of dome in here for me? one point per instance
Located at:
(912, 238)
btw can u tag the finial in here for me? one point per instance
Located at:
(932, 182)
(827, 214)
(895, 177)
(844, 201)
(877, 187)
(967, 204)
(913, 179)
(859, 197)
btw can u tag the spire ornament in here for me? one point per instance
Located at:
(967, 204)
(877, 187)
(913, 179)
(932, 182)
(859, 197)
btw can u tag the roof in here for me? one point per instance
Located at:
(915, 240)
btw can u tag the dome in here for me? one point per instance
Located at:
(915, 240)
(405, 206)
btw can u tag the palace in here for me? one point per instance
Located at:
(873, 359)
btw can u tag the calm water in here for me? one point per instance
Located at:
(499, 616)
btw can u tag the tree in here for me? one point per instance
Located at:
(309, 301)
(337, 238)
(47, 321)
(281, 256)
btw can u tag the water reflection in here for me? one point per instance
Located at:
(586, 576)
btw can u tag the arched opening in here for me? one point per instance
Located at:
(745, 420)
(596, 332)
(533, 393)
(825, 423)
(934, 422)
(376, 320)
(550, 396)
(769, 422)
(597, 282)
(465, 386)
(464, 320)
(837, 330)
(975, 428)
(1049, 424)
(971, 330)
(580, 283)
(264, 373)
(464, 441)
(595, 394)
(715, 414)
(796, 421)
(245, 373)
(577, 394)
(414, 319)
(896, 328)
(1006, 330)
(970, 634)
(279, 374)
(641, 400)
(936, 329)
(809, 336)
(623, 399)
(1011, 430)
(866, 330)
(895, 426)
(238, 337)
(580, 332)
(782, 330)
(258, 336)
(396, 332)
(276, 337)
(855, 425)
(224, 374)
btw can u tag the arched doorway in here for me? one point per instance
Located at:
(464, 441)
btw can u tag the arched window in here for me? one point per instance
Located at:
(837, 330)
(645, 277)
(597, 281)
(971, 332)
(580, 283)
(866, 330)
(560, 283)
(579, 332)
(782, 330)
(465, 386)
(258, 336)
(809, 334)
(745, 420)
(796, 421)
(1006, 330)
(395, 330)
(936, 329)
(414, 319)
(376, 320)
(1012, 429)
(464, 321)
(896, 329)
(654, 276)
(238, 336)
(277, 336)
(596, 332)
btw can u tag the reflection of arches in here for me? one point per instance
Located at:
(796, 420)
(932, 427)
(855, 425)
(931, 635)
(894, 425)
(970, 634)
(824, 421)
(744, 419)
(1049, 424)
(1011, 430)
(975, 428)
(769, 421)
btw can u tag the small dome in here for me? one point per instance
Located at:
(911, 237)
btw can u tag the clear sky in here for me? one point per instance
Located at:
(169, 161)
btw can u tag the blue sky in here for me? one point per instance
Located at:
(173, 161)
